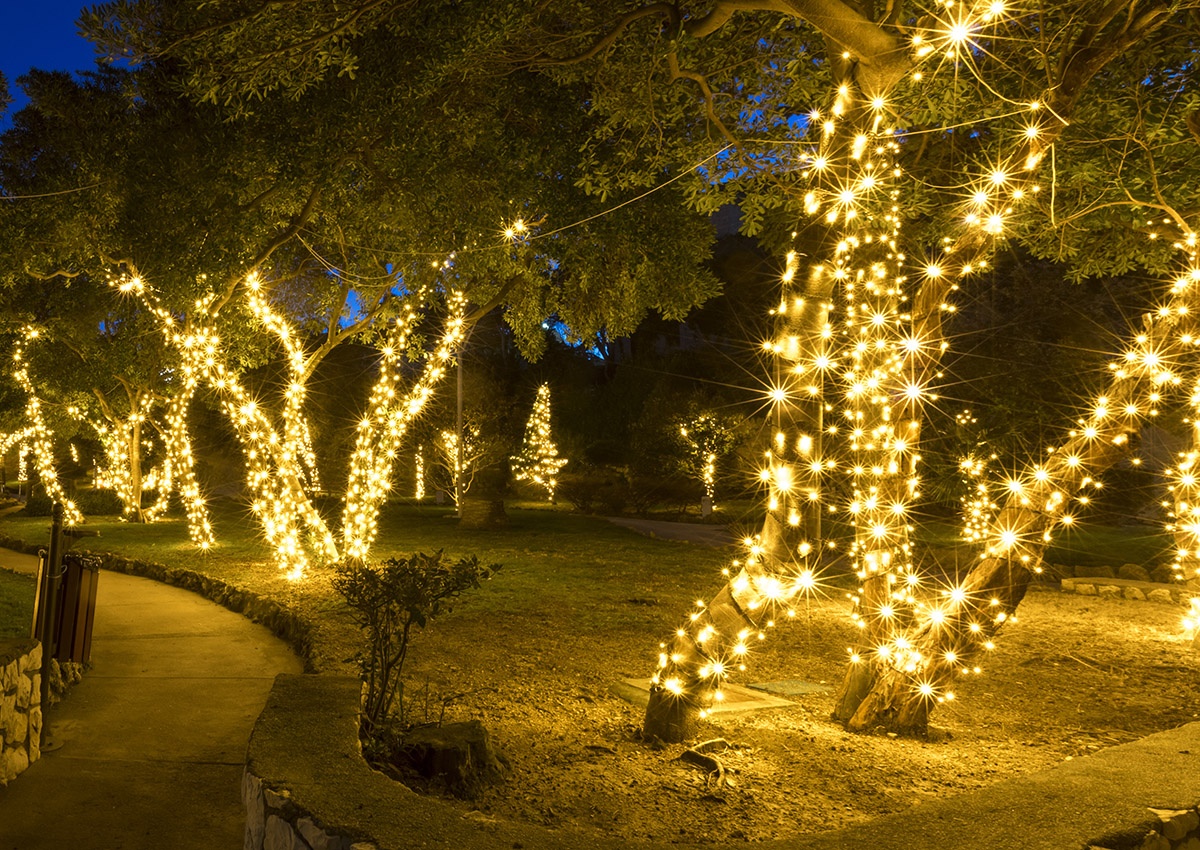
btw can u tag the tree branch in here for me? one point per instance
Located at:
(665, 10)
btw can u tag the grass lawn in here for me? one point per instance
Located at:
(558, 568)
(1087, 544)
(16, 604)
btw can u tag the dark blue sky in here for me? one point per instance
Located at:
(41, 33)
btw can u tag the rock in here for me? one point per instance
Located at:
(15, 762)
(1176, 823)
(1085, 589)
(31, 660)
(281, 836)
(458, 755)
(1135, 594)
(1161, 595)
(1110, 591)
(8, 709)
(18, 729)
(8, 677)
(24, 693)
(1162, 573)
(1133, 572)
(1084, 571)
(252, 801)
(1055, 572)
(319, 839)
(1154, 841)
(1192, 843)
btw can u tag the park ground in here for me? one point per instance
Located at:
(581, 605)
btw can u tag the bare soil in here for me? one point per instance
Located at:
(1073, 675)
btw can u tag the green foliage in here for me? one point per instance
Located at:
(37, 503)
(387, 601)
(98, 503)
(16, 604)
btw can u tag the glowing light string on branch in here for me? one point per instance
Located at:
(39, 438)
(882, 357)
(121, 436)
(276, 499)
(419, 474)
(178, 467)
(291, 450)
(389, 414)
(19, 439)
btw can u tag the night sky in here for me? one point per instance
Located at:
(40, 33)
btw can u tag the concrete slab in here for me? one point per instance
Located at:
(791, 687)
(127, 805)
(737, 697)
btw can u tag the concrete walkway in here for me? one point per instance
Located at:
(154, 737)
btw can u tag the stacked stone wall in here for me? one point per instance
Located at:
(20, 706)
(1170, 829)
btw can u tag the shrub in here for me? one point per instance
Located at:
(387, 601)
(597, 490)
(675, 493)
(99, 503)
(37, 503)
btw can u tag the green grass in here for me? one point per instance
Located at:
(1087, 544)
(561, 572)
(16, 604)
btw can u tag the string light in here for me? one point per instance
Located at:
(884, 348)
(37, 436)
(538, 460)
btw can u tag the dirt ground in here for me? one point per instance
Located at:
(1073, 675)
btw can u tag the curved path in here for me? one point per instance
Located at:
(153, 740)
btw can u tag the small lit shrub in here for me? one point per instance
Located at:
(387, 600)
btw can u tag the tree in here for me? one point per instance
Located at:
(539, 461)
(707, 437)
(972, 101)
(341, 233)
(885, 376)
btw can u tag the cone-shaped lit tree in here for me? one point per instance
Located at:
(539, 461)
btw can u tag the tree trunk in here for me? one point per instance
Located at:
(134, 453)
(687, 683)
(482, 505)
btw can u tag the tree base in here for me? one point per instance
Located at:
(482, 513)
(670, 718)
(893, 705)
(854, 690)
(457, 756)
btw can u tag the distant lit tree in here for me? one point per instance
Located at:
(539, 461)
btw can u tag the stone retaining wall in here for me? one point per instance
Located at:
(20, 706)
(275, 822)
(1119, 588)
(1171, 829)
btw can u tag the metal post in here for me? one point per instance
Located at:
(50, 578)
(458, 446)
